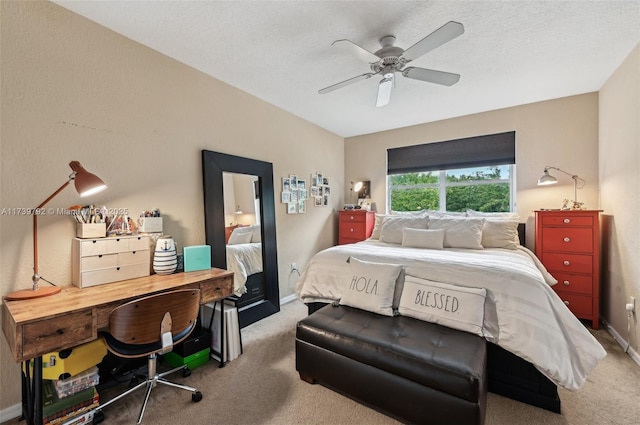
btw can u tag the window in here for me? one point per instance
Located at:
(480, 188)
(473, 173)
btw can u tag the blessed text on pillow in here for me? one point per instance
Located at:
(453, 306)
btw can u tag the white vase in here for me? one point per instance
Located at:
(165, 258)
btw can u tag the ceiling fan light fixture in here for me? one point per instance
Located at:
(384, 91)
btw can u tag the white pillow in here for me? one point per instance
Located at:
(445, 214)
(240, 235)
(494, 215)
(423, 238)
(256, 236)
(500, 234)
(377, 226)
(419, 213)
(392, 226)
(460, 232)
(453, 306)
(370, 286)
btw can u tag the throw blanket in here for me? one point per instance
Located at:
(243, 260)
(522, 313)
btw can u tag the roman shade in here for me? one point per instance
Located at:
(479, 151)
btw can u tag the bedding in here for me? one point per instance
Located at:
(243, 260)
(522, 314)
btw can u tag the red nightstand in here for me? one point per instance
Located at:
(355, 225)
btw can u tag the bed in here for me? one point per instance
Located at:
(535, 341)
(244, 259)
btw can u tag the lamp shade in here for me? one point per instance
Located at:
(546, 179)
(357, 186)
(86, 183)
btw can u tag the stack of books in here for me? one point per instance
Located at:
(65, 400)
(232, 343)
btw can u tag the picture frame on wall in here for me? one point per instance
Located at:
(292, 208)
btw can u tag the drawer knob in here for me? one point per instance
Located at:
(566, 303)
(117, 268)
(566, 262)
(351, 217)
(565, 283)
(60, 331)
(351, 230)
(567, 220)
(567, 240)
(100, 256)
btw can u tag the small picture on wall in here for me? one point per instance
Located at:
(292, 208)
(326, 190)
(302, 184)
(286, 197)
(325, 201)
(286, 184)
(303, 195)
(301, 207)
(294, 196)
(294, 182)
(317, 201)
(314, 191)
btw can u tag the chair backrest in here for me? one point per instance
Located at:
(140, 321)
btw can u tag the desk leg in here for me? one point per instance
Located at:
(222, 336)
(32, 392)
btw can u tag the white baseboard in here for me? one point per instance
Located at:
(10, 412)
(623, 343)
(288, 299)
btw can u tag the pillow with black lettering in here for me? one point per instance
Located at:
(457, 307)
(370, 286)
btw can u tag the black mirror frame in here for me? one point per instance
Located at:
(213, 165)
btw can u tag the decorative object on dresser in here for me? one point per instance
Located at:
(105, 260)
(547, 179)
(86, 184)
(354, 225)
(165, 256)
(568, 244)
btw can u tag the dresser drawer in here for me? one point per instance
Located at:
(356, 230)
(569, 263)
(99, 277)
(134, 257)
(353, 218)
(96, 262)
(567, 220)
(580, 305)
(576, 283)
(52, 335)
(567, 239)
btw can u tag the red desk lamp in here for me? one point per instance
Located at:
(86, 184)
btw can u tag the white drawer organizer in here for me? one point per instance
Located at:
(105, 260)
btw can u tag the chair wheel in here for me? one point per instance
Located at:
(196, 397)
(186, 372)
(98, 417)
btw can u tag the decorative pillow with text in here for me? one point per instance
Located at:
(370, 286)
(453, 306)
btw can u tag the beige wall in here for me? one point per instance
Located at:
(561, 132)
(620, 195)
(73, 90)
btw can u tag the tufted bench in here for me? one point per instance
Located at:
(414, 371)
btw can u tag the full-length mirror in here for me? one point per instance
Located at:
(240, 227)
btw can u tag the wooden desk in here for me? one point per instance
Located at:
(38, 326)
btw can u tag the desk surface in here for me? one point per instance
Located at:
(74, 316)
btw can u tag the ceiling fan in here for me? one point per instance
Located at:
(390, 59)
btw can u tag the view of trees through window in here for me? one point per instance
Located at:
(485, 189)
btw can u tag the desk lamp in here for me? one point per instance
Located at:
(86, 184)
(548, 179)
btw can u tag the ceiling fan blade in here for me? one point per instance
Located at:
(431, 76)
(445, 33)
(345, 83)
(384, 91)
(358, 50)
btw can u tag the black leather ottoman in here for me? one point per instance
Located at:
(414, 371)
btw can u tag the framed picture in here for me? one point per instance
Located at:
(301, 207)
(286, 197)
(317, 201)
(294, 182)
(314, 191)
(292, 208)
(286, 184)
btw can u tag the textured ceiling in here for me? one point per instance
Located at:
(512, 52)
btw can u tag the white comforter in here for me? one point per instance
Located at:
(522, 313)
(243, 260)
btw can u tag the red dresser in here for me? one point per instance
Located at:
(355, 225)
(568, 244)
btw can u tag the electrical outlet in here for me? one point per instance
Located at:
(631, 305)
(294, 267)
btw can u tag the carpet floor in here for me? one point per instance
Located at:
(262, 387)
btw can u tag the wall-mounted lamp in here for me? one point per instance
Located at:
(238, 211)
(547, 179)
(86, 184)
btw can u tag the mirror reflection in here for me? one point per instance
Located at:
(243, 236)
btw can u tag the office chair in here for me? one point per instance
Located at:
(147, 327)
